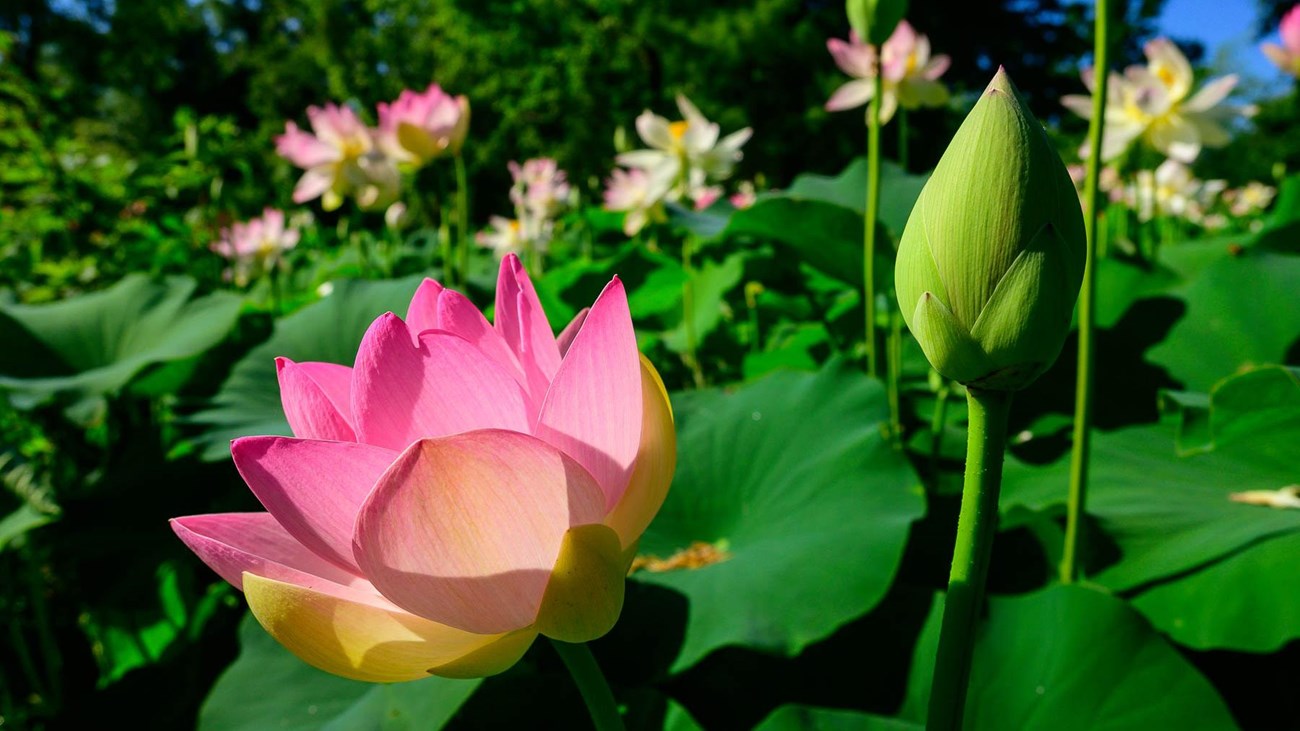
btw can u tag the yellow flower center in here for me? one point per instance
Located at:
(1165, 74)
(678, 129)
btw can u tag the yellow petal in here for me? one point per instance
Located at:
(585, 593)
(656, 460)
(366, 641)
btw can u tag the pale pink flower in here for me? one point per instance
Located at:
(687, 153)
(417, 128)
(540, 187)
(460, 489)
(504, 237)
(256, 244)
(636, 193)
(706, 196)
(910, 78)
(1155, 103)
(1287, 55)
(339, 159)
(745, 196)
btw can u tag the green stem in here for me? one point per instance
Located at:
(591, 684)
(893, 375)
(688, 312)
(462, 218)
(976, 526)
(869, 225)
(448, 253)
(1079, 452)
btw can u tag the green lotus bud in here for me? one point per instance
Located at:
(875, 20)
(992, 257)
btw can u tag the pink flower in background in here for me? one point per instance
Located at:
(460, 489)
(420, 127)
(911, 75)
(636, 193)
(1287, 55)
(540, 187)
(339, 158)
(256, 243)
(745, 196)
(706, 196)
(504, 237)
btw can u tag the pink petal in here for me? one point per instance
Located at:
(465, 530)
(852, 94)
(593, 409)
(316, 399)
(403, 393)
(313, 488)
(571, 330)
(523, 324)
(232, 543)
(422, 313)
(313, 184)
(457, 315)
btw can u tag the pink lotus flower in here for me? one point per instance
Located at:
(462, 488)
(255, 244)
(339, 159)
(541, 189)
(911, 75)
(1287, 55)
(420, 127)
(638, 194)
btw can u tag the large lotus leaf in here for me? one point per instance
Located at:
(1249, 601)
(898, 191)
(790, 482)
(268, 688)
(1121, 283)
(821, 218)
(710, 284)
(1241, 311)
(1171, 510)
(96, 343)
(329, 330)
(1068, 658)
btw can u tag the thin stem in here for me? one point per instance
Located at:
(869, 224)
(976, 526)
(894, 374)
(462, 218)
(448, 252)
(591, 684)
(688, 312)
(1079, 452)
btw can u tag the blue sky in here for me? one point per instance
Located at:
(1227, 28)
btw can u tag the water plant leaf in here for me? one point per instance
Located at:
(94, 344)
(789, 512)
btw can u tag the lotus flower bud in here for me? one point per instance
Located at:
(875, 20)
(992, 257)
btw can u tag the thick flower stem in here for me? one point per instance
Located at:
(976, 526)
(462, 218)
(869, 225)
(1087, 313)
(591, 684)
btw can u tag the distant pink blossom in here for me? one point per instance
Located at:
(1287, 55)
(417, 128)
(540, 187)
(339, 158)
(910, 75)
(255, 244)
(637, 193)
(706, 196)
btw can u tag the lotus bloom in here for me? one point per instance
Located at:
(504, 237)
(685, 154)
(1155, 103)
(992, 257)
(541, 189)
(1254, 198)
(744, 196)
(339, 158)
(1287, 55)
(462, 488)
(911, 75)
(255, 244)
(635, 193)
(1172, 190)
(420, 127)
